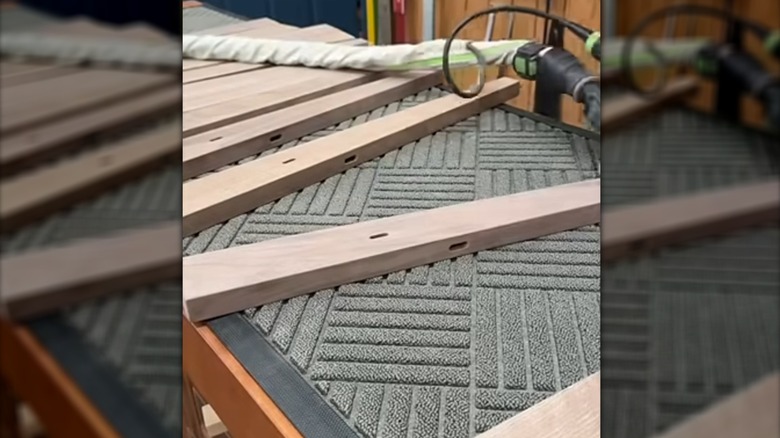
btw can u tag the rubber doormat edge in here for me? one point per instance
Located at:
(118, 404)
(303, 405)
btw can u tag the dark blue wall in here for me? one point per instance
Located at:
(163, 14)
(342, 14)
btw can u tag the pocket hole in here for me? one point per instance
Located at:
(289, 160)
(378, 236)
(216, 138)
(276, 137)
(350, 159)
(458, 246)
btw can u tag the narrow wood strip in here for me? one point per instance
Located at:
(36, 75)
(221, 282)
(28, 105)
(320, 33)
(260, 25)
(574, 412)
(37, 378)
(622, 110)
(256, 104)
(39, 282)
(189, 4)
(216, 198)
(242, 405)
(202, 153)
(25, 149)
(752, 412)
(37, 194)
(678, 219)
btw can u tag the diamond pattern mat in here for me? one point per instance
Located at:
(687, 325)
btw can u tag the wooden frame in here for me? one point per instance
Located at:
(625, 109)
(234, 279)
(81, 270)
(221, 196)
(668, 221)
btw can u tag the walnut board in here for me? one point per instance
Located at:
(619, 111)
(230, 280)
(218, 197)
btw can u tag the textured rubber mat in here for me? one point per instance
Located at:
(458, 346)
(131, 340)
(685, 326)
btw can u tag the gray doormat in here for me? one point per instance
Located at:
(688, 325)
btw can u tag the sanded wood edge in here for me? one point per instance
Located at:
(87, 269)
(34, 195)
(221, 282)
(658, 223)
(619, 111)
(236, 397)
(299, 120)
(753, 412)
(327, 157)
(35, 377)
(24, 150)
(574, 412)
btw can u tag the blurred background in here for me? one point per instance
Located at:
(686, 325)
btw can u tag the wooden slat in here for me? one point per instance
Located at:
(259, 25)
(230, 280)
(320, 33)
(42, 281)
(242, 405)
(321, 83)
(37, 194)
(622, 110)
(678, 219)
(41, 73)
(752, 413)
(35, 376)
(574, 412)
(203, 153)
(27, 148)
(221, 196)
(29, 105)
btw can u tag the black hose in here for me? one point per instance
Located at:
(591, 93)
(771, 98)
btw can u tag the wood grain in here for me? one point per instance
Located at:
(230, 280)
(219, 147)
(30, 147)
(678, 219)
(620, 111)
(574, 412)
(36, 194)
(35, 377)
(242, 405)
(215, 198)
(42, 281)
(752, 412)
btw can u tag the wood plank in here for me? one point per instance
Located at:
(574, 412)
(41, 73)
(38, 282)
(221, 282)
(678, 219)
(617, 112)
(27, 148)
(36, 194)
(320, 33)
(259, 25)
(187, 4)
(37, 378)
(202, 153)
(242, 405)
(322, 83)
(33, 104)
(752, 412)
(216, 198)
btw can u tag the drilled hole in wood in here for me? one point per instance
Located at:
(276, 137)
(378, 236)
(216, 138)
(289, 160)
(458, 246)
(350, 159)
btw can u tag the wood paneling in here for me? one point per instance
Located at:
(630, 12)
(450, 13)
